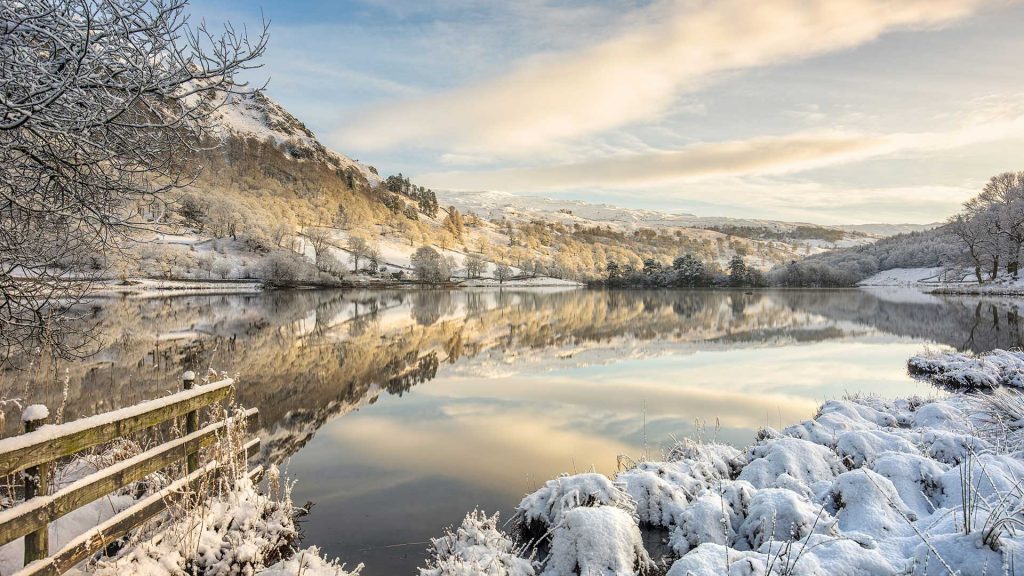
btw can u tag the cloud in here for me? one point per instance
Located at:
(636, 75)
(759, 156)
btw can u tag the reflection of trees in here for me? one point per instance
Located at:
(428, 306)
(417, 371)
(304, 357)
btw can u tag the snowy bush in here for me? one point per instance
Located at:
(476, 548)
(658, 502)
(600, 541)
(804, 461)
(867, 502)
(308, 562)
(545, 507)
(780, 514)
(714, 517)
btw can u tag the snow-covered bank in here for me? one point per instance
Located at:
(941, 281)
(538, 282)
(868, 486)
(966, 371)
(904, 277)
(145, 287)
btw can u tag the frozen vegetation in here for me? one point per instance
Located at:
(964, 370)
(867, 486)
(238, 531)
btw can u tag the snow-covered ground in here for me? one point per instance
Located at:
(905, 277)
(940, 281)
(868, 486)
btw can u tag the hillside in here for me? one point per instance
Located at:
(271, 200)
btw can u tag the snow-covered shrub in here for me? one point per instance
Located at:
(308, 562)
(915, 478)
(804, 461)
(476, 548)
(717, 560)
(284, 267)
(237, 532)
(783, 515)
(599, 541)
(866, 502)
(952, 447)
(713, 517)
(658, 502)
(545, 507)
(956, 553)
(860, 447)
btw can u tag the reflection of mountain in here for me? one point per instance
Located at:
(306, 357)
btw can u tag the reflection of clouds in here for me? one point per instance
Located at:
(582, 396)
(498, 432)
(496, 450)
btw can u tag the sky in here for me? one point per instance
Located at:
(827, 111)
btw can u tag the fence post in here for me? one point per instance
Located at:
(37, 544)
(191, 421)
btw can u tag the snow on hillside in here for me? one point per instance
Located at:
(258, 116)
(904, 277)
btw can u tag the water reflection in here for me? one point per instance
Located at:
(457, 399)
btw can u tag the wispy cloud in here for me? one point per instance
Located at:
(636, 75)
(750, 157)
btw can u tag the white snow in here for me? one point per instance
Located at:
(904, 277)
(547, 506)
(476, 548)
(599, 541)
(963, 370)
(35, 412)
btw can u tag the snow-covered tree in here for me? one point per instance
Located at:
(502, 272)
(475, 266)
(100, 105)
(430, 266)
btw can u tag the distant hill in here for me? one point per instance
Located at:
(886, 230)
(271, 182)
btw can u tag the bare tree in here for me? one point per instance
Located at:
(359, 248)
(100, 103)
(320, 241)
(973, 235)
(502, 272)
(474, 266)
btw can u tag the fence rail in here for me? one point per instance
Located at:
(35, 451)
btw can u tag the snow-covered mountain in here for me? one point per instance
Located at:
(258, 116)
(497, 205)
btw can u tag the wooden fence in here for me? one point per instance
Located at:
(35, 451)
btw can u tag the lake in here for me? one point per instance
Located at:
(399, 411)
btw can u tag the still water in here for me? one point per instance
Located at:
(399, 411)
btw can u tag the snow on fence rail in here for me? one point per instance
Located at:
(41, 444)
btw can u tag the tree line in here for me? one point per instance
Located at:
(686, 271)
